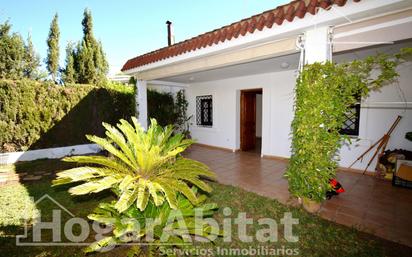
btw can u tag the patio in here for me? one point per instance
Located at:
(369, 204)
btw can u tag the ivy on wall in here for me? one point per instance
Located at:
(323, 94)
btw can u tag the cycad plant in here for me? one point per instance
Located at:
(158, 226)
(144, 169)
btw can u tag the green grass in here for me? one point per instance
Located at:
(16, 205)
(317, 237)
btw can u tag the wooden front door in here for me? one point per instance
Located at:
(247, 120)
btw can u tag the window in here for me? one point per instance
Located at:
(351, 124)
(204, 110)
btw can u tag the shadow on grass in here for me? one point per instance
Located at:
(79, 206)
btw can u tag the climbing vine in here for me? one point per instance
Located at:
(323, 94)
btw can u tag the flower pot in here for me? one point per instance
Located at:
(310, 205)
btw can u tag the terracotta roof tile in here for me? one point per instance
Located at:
(236, 32)
(261, 23)
(270, 19)
(296, 8)
(280, 16)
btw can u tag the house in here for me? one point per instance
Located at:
(239, 79)
(120, 78)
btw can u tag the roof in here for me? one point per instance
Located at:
(267, 19)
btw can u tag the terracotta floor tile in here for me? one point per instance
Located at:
(369, 204)
(348, 220)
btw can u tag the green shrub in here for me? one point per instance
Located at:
(152, 182)
(166, 109)
(35, 115)
(160, 106)
(324, 93)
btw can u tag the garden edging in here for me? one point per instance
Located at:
(48, 153)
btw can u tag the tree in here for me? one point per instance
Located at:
(91, 64)
(69, 72)
(52, 60)
(12, 53)
(32, 60)
(87, 24)
(101, 62)
(85, 64)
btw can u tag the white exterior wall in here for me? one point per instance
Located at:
(278, 113)
(386, 105)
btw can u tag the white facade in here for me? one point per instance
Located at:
(268, 60)
(378, 112)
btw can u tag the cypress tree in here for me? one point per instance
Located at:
(52, 60)
(87, 24)
(12, 53)
(32, 60)
(91, 64)
(69, 72)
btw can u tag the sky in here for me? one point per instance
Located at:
(127, 28)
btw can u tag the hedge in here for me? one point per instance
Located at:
(35, 115)
(161, 106)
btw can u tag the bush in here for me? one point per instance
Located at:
(157, 201)
(160, 106)
(36, 115)
(317, 123)
(166, 109)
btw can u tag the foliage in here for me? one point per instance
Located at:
(17, 60)
(35, 115)
(164, 226)
(316, 125)
(52, 60)
(182, 120)
(69, 72)
(31, 69)
(167, 109)
(148, 176)
(145, 166)
(90, 61)
(161, 107)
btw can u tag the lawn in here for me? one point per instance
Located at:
(317, 237)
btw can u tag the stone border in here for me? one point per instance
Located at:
(48, 153)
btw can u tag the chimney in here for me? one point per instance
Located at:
(170, 36)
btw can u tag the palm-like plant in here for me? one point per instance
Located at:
(144, 166)
(164, 228)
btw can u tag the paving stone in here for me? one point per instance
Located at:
(32, 178)
(373, 204)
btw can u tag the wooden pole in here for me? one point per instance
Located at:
(382, 143)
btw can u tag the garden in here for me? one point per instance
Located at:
(140, 195)
(317, 237)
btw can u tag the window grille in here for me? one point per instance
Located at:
(204, 110)
(351, 124)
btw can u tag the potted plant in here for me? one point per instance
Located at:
(317, 124)
(310, 205)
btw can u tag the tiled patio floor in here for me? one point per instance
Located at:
(369, 204)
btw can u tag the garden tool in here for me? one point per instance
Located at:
(381, 143)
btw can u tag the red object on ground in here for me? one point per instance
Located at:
(336, 188)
